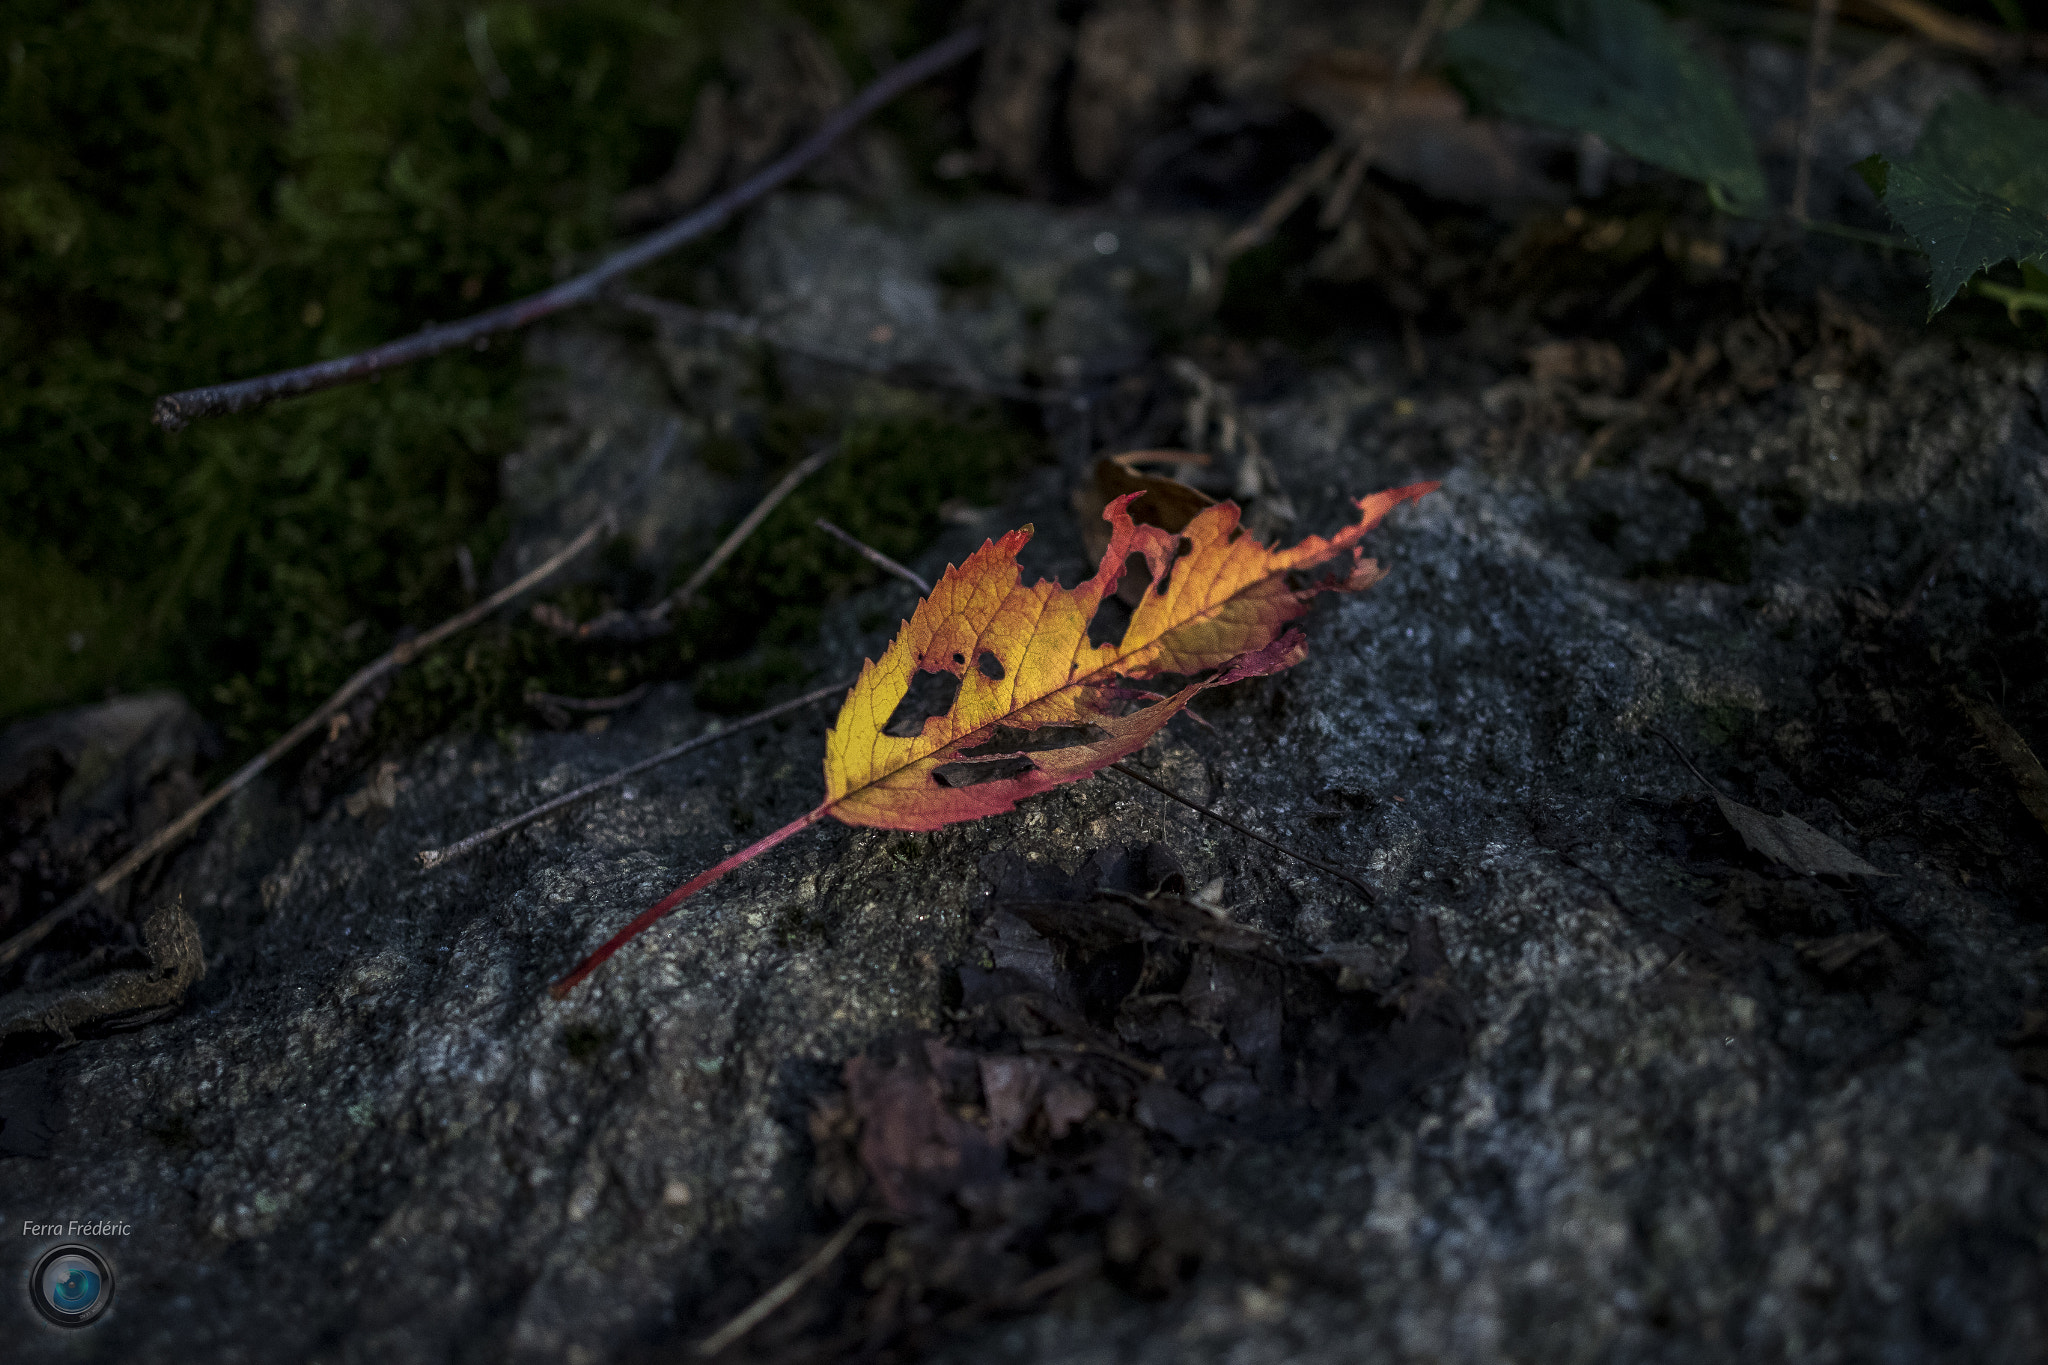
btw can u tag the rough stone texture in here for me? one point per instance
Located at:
(1679, 1136)
(78, 787)
(997, 292)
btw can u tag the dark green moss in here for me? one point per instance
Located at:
(173, 218)
(742, 686)
(179, 211)
(886, 488)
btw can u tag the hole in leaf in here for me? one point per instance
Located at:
(1109, 623)
(930, 694)
(974, 774)
(1010, 740)
(960, 658)
(991, 667)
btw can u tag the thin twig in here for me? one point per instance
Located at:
(1686, 760)
(875, 557)
(1868, 72)
(649, 622)
(1221, 818)
(176, 409)
(788, 485)
(545, 700)
(555, 709)
(1863, 235)
(785, 1289)
(1037, 1287)
(398, 657)
(1282, 205)
(434, 857)
(674, 314)
(1809, 118)
(1354, 148)
(1953, 31)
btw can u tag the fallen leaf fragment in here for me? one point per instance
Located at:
(1789, 840)
(2012, 750)
(1037, 703)
(1836, 953)
(1784, 839)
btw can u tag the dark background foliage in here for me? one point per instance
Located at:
(181, 206)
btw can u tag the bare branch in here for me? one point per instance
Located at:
(649, 622)
(434, 857)
(176, 409)
(1354, 148)
(1959, 34)
(398, 658)
(755, 1313)
(875, 557)
(555, 709)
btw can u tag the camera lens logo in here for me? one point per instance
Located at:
(72, 1285)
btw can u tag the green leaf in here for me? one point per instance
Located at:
(1616, 68)
(1973, 193)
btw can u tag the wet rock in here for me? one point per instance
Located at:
(862, 307)
(80, 787)
(1677, 1130)
(1710, 1109)
(995, 290)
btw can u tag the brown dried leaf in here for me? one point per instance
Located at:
(2012, 750)
(1168, 504)
(1423, 134)
(1790, 841)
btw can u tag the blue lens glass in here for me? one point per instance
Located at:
(73, 1285)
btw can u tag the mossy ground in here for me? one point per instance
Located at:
(176, 210)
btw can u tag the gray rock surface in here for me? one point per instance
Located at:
(1690, 1127)
(373, 1137)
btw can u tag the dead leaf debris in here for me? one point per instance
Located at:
(1108, 1024)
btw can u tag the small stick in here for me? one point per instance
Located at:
(545, 700)
(556, 709)
(785, 1289)
(434, 857)
(875, 557)
(1353, 149)
(1683, 758)
(1809, 118)
(1282, 205)
(652, 621)
(1868, 72)
(176, 409)
(1953, 31)
(682, 595)
(1039, 1285)
(399, 657)
(1218, 816)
